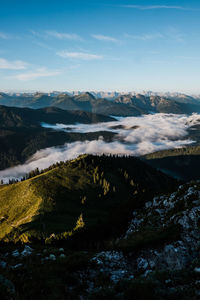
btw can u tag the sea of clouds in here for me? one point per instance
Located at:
(133, 136)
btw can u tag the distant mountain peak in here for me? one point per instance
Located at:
(85, 97)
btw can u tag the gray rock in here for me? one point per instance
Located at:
(147, 272)
(160, 211)
(181, 187)
(142, 264)
(148, 204)
(184, 221)
(52, 257)
(156, 201)
(152, 264)
(15, 253)
(134, 225)
(17, 266)
(27, 251)
(62, 255)
(117, 275)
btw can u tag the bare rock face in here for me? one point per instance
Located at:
(180, 208)
(113, 263)
(27, 251)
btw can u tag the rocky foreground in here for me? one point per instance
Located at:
(157, 258)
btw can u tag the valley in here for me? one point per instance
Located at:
(25, 131)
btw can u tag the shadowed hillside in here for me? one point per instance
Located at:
(94, 194)
(26, 117)
(182, 163)
(21, 134)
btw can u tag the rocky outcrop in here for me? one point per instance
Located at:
(178, 210)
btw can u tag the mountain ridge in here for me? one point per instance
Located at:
(120, 105)
(19, 117)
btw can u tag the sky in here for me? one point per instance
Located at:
(100, 45)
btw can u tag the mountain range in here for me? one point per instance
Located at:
(119, 105)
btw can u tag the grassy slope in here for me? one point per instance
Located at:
(18, 205)
(104, 190)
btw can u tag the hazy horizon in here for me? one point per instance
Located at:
(109, 91)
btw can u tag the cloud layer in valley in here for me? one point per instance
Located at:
(134, 136)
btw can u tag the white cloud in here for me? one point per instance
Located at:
(55, 34)
(37, 34)
(145, 37)
(106, 38)
(42, 72)
(79, 55)
(154, 128)
(12, 65)
(170, 34)
(63, 35)
(152, 7)
(154, 132)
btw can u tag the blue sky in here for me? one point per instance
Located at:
(100, 45)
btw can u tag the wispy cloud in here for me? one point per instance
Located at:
(105, 38)
(145, 37)
(79, 55)
(37, 34)
(152, 7)
(43, 45)
(63, 35)
(174, 34)
(4, 36)
(57, 35)
(170, 34)
(12, 65)
(38, 73)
